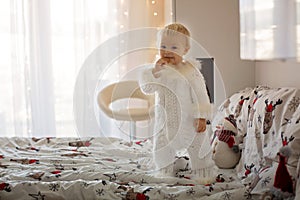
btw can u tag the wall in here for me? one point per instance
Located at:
(278, 73)
(215, 25)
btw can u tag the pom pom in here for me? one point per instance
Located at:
(285, 151)
(235, 149)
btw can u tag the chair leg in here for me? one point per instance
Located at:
(132, 131)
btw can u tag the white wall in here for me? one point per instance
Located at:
(278, 73)
(215, 25)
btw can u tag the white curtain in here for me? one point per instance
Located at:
(43, 46)
(269, 29)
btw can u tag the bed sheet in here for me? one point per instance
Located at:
(97, 168)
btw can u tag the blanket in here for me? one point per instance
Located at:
(111, 168)
(267, 119)
(97, 168)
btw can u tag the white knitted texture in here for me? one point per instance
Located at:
(177, 96)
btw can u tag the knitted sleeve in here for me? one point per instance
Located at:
(200, 99)
(148, 83)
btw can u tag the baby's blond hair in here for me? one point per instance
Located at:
(177, 28)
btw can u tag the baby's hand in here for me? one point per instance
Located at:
(200, 125)
(160, 64)
(168, 60)
(162, 61)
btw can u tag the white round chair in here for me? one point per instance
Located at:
(129, 90)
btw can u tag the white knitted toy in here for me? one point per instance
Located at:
(226, 152)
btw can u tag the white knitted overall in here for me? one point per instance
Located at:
(180, 98)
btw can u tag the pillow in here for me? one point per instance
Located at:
(264, 116)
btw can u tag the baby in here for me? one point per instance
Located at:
(182, 103)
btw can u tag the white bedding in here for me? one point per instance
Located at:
(263, 130)
(108, 168)
(103, 168)
(266, 119)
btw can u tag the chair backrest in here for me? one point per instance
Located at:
(125, 90)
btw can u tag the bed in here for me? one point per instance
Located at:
(111, 168)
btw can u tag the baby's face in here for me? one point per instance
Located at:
(172, 48)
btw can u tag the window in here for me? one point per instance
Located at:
(269, 29)
(43, 46)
